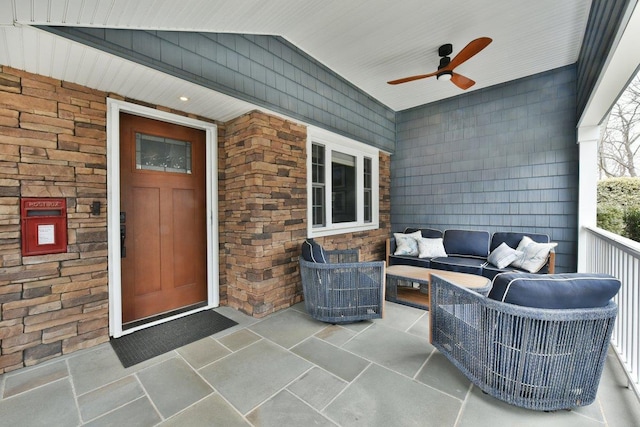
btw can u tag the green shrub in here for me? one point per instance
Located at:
(619, 206)
(610, 217)
(632, 223)
(623, 191)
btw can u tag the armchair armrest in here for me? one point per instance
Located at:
(391, 248)
(552, 261)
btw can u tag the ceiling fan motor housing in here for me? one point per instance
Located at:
(445, 50)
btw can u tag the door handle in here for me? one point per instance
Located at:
(123, 236)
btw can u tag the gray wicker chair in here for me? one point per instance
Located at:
(343, 290)
(536, 358)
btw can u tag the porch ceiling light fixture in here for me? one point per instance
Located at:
(184, 98)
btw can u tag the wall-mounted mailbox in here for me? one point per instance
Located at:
(44, 226)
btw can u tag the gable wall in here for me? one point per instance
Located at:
(503, 158)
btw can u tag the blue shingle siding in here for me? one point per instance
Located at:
(503, 158)
(267, 71)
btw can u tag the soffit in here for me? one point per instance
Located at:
(367, 42)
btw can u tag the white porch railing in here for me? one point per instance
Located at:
(612, 254)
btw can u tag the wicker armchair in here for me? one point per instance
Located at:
(536, 358)
(343, 290)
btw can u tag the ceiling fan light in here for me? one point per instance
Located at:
(445, 75)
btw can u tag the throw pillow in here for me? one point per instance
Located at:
(534, 255)
(407, 244)
(313, 252)
(503, 255)
(430, 248)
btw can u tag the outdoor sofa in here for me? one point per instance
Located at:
(472, 251)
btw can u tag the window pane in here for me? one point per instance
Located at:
(368, 206)
(317, 163)
(343, 188)
(318, 207)
(162, 154)
(318, 191)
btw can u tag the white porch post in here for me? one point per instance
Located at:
(588, 139)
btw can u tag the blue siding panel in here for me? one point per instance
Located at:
(498, 159)
(264, 70)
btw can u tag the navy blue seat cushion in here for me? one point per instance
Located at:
(512, 239)
(313, 252)
(409, 260)
(427, 233)
(459, 264)
(569, 290)
(490, 271)
(466, 243)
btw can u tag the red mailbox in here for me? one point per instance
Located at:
(44, 226)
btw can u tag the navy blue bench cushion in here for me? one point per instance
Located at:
(466, 243)
(459, 264)
(313, 252)
(569, 290)
(490, 271)
(429, 233)
(409, 260)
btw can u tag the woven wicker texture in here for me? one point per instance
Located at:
(343, 290)
(541, 359)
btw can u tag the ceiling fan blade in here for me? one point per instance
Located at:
(461, 81)
(468, 52)
(412, 78)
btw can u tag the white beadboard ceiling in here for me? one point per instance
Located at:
(367, 42)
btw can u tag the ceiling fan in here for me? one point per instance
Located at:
(445, 69)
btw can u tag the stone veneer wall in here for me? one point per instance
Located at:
(264, 211)
(53, 144)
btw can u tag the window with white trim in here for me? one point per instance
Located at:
(342, 178)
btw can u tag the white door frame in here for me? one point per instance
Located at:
(114, 107)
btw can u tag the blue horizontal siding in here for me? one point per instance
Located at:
(503, 158)
(266, 71)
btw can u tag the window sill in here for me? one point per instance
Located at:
(321, 232)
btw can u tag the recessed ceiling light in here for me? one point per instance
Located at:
(184, 98)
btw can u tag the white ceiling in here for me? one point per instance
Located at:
(367, 42)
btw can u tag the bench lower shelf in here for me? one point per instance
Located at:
(411, 297)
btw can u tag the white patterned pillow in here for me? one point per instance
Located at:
(430, 248)
(407, 244)
(534, 255)
(503, 255)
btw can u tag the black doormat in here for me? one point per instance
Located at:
(144, 344)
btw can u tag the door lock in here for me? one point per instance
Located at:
(123, 235)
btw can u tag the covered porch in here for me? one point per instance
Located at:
(503, 157)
